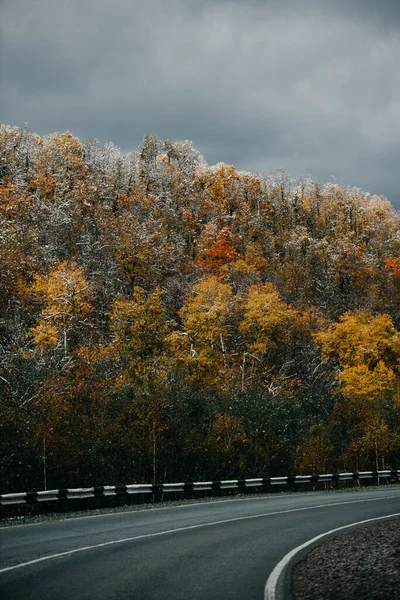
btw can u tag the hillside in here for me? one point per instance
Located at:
(162, 319)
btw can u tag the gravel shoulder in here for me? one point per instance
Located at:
(358, 564)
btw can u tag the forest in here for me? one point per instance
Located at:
(165, 320)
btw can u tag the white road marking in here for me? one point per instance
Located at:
(272, 582)
(179, 529)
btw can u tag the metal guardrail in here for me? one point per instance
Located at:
(197, 486)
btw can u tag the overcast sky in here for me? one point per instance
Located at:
(312, 86)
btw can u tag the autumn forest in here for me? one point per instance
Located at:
(166, 320)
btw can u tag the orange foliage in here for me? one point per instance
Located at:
(393, 264)
(219, 254)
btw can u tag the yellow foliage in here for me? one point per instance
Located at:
(45, 335)
(66, 301)
(358, 382)
(140, 333)
(138, 324)
(360, 338)
(197, 366)
(202, 348)
(207, 311)
(266, 319)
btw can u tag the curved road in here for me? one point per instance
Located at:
(213, 550)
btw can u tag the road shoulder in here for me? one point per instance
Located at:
(361, 562)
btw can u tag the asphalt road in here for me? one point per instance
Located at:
(203, 551)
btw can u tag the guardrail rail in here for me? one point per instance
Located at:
(196, 486)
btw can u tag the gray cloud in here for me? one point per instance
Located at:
(309, 86)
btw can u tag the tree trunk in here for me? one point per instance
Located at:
(154, 453)
(44, 463)
(376, 458)
(164, 481)
(65, 344)
(154, 456)
(243, 369)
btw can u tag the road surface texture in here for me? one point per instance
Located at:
(363, 562)
(203, 551)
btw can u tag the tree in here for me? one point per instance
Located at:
(360, 338)
(67, 303)
(208, 317)
(269, 331)
(139, 330)
(222, 252)
(227, 446)
(368, 401)
(139, 337)
(367, 350)
(266, 319)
